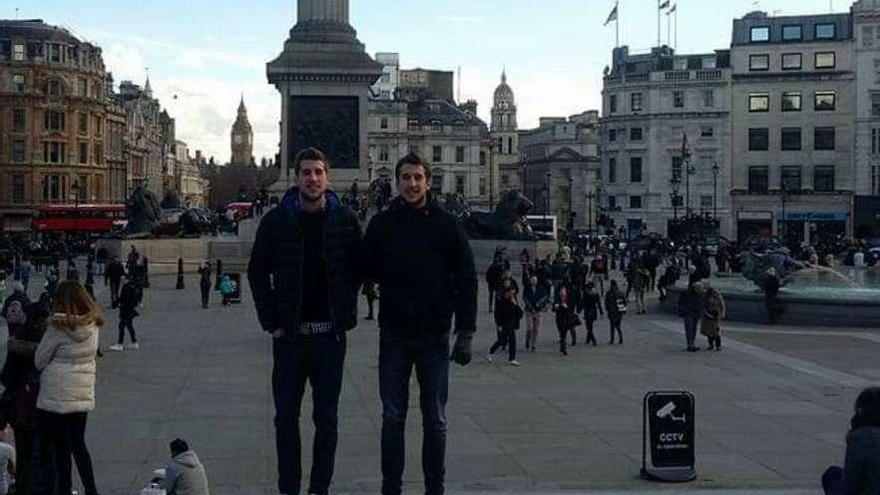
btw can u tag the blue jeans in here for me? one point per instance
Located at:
(429, 355)
(318, 360)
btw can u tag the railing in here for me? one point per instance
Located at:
(708, 74)
(677, 76)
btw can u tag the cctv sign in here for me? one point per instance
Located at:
(668, 433)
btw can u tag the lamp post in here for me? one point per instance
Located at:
(571, 213)
(716, 169)
(783, 225)
(75, 187)
(686, 159)
(675, 182)
(547, 196)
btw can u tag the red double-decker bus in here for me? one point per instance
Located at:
(85, 218)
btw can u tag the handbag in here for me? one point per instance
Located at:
(621, 305)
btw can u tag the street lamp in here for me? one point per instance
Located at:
(675, 182)
(784, 229)
(547, 195)
(686, 159)
(75, 187)
(716, 169)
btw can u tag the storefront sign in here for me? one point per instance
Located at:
(755, 215)
(797, 216)
(668, 429)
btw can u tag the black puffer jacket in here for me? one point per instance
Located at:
(275, 269)
(423, 262)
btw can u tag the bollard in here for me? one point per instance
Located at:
(146, 273)
(219, 275)
(180, 283)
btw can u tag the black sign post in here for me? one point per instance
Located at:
(668, 431)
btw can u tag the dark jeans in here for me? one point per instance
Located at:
(429, 355)
(129, 324)
(206, 294)
(64, 435)
(114, 292)
(25, 441)
(690, 330)
(714, 341)
(615, 327)
(506, 338)
(832, 481)
(591, 338)
(318, 360)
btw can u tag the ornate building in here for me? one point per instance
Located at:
(52, 112)
(505, 140)
(144, 139)
(242, 138)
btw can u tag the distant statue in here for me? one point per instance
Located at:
(142, 211)
(755, 265)
(170, 201)
(507, 222)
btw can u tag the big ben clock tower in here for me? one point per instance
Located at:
(242, 138)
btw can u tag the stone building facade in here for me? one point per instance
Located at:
(561, 168)
(650, 103)
(53, 107)
(504, 136)
(143, 140)
(793, 126)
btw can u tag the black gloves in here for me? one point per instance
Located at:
(461, 351)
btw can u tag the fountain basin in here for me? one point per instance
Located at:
(804, 306)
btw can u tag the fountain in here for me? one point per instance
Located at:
(811, 295)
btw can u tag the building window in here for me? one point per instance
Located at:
(678, 98)
(635, 102)
(53, 185)
(791, 178)
(709, 62)
(706, 201)
(709, 98)
(383, 123)
(792, 33)
(635, 202)
(483, 184)
(707, 131)
(875, 180)
(18, 149)
(83, 87)
(383, 154)
(791, 139)
(99, 126)
(677, 201)
(18, 188)
(759, 139)
(791, 102)
(18, 83)
(18, 52)
(83, 153)
(612, 103)
(482, 158)
(83, 123)
(459, 154)
(612, 135)
(824, 31)
(867, 36)
(612, 170)
(54, 152)
(612, 202)
(875, 104)
(824, 101)
(823, 178)
(875, 145)
(53, 120)
(759, 62)
(54, 52)
(635, 133)
(759, 102)
(19, 119)
(760, 34)
(823, 138)
(54, 88)
(459, 184)
(758, 183)
(437, 154)
(635, 169)
(99, 153)
(792, 61)
(825, 60)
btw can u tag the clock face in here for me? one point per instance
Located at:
(238, 139)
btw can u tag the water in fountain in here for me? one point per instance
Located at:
(847, 283)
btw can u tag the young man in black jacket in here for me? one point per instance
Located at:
(304, 281)
(420, 256)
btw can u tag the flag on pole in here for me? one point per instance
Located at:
(663, 4)
(612, 16)
(672, 9)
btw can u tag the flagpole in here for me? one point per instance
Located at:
(617, 26)
(676, 26)
(658, 23)
(668, 29)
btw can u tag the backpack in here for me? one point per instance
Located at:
(15, 313)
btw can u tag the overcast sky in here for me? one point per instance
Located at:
(209, 52)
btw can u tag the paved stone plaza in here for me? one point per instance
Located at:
(772, 408)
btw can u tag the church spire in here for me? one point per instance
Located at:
(242, 110)
(504, 75)
(147, 89)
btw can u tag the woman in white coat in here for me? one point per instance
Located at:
(66, 359)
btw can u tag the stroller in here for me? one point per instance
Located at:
(155, 486)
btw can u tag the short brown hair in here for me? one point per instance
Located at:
(74, 306)
(413, 159)
(312, 154)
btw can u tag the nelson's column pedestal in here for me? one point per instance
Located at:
(324, 77)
